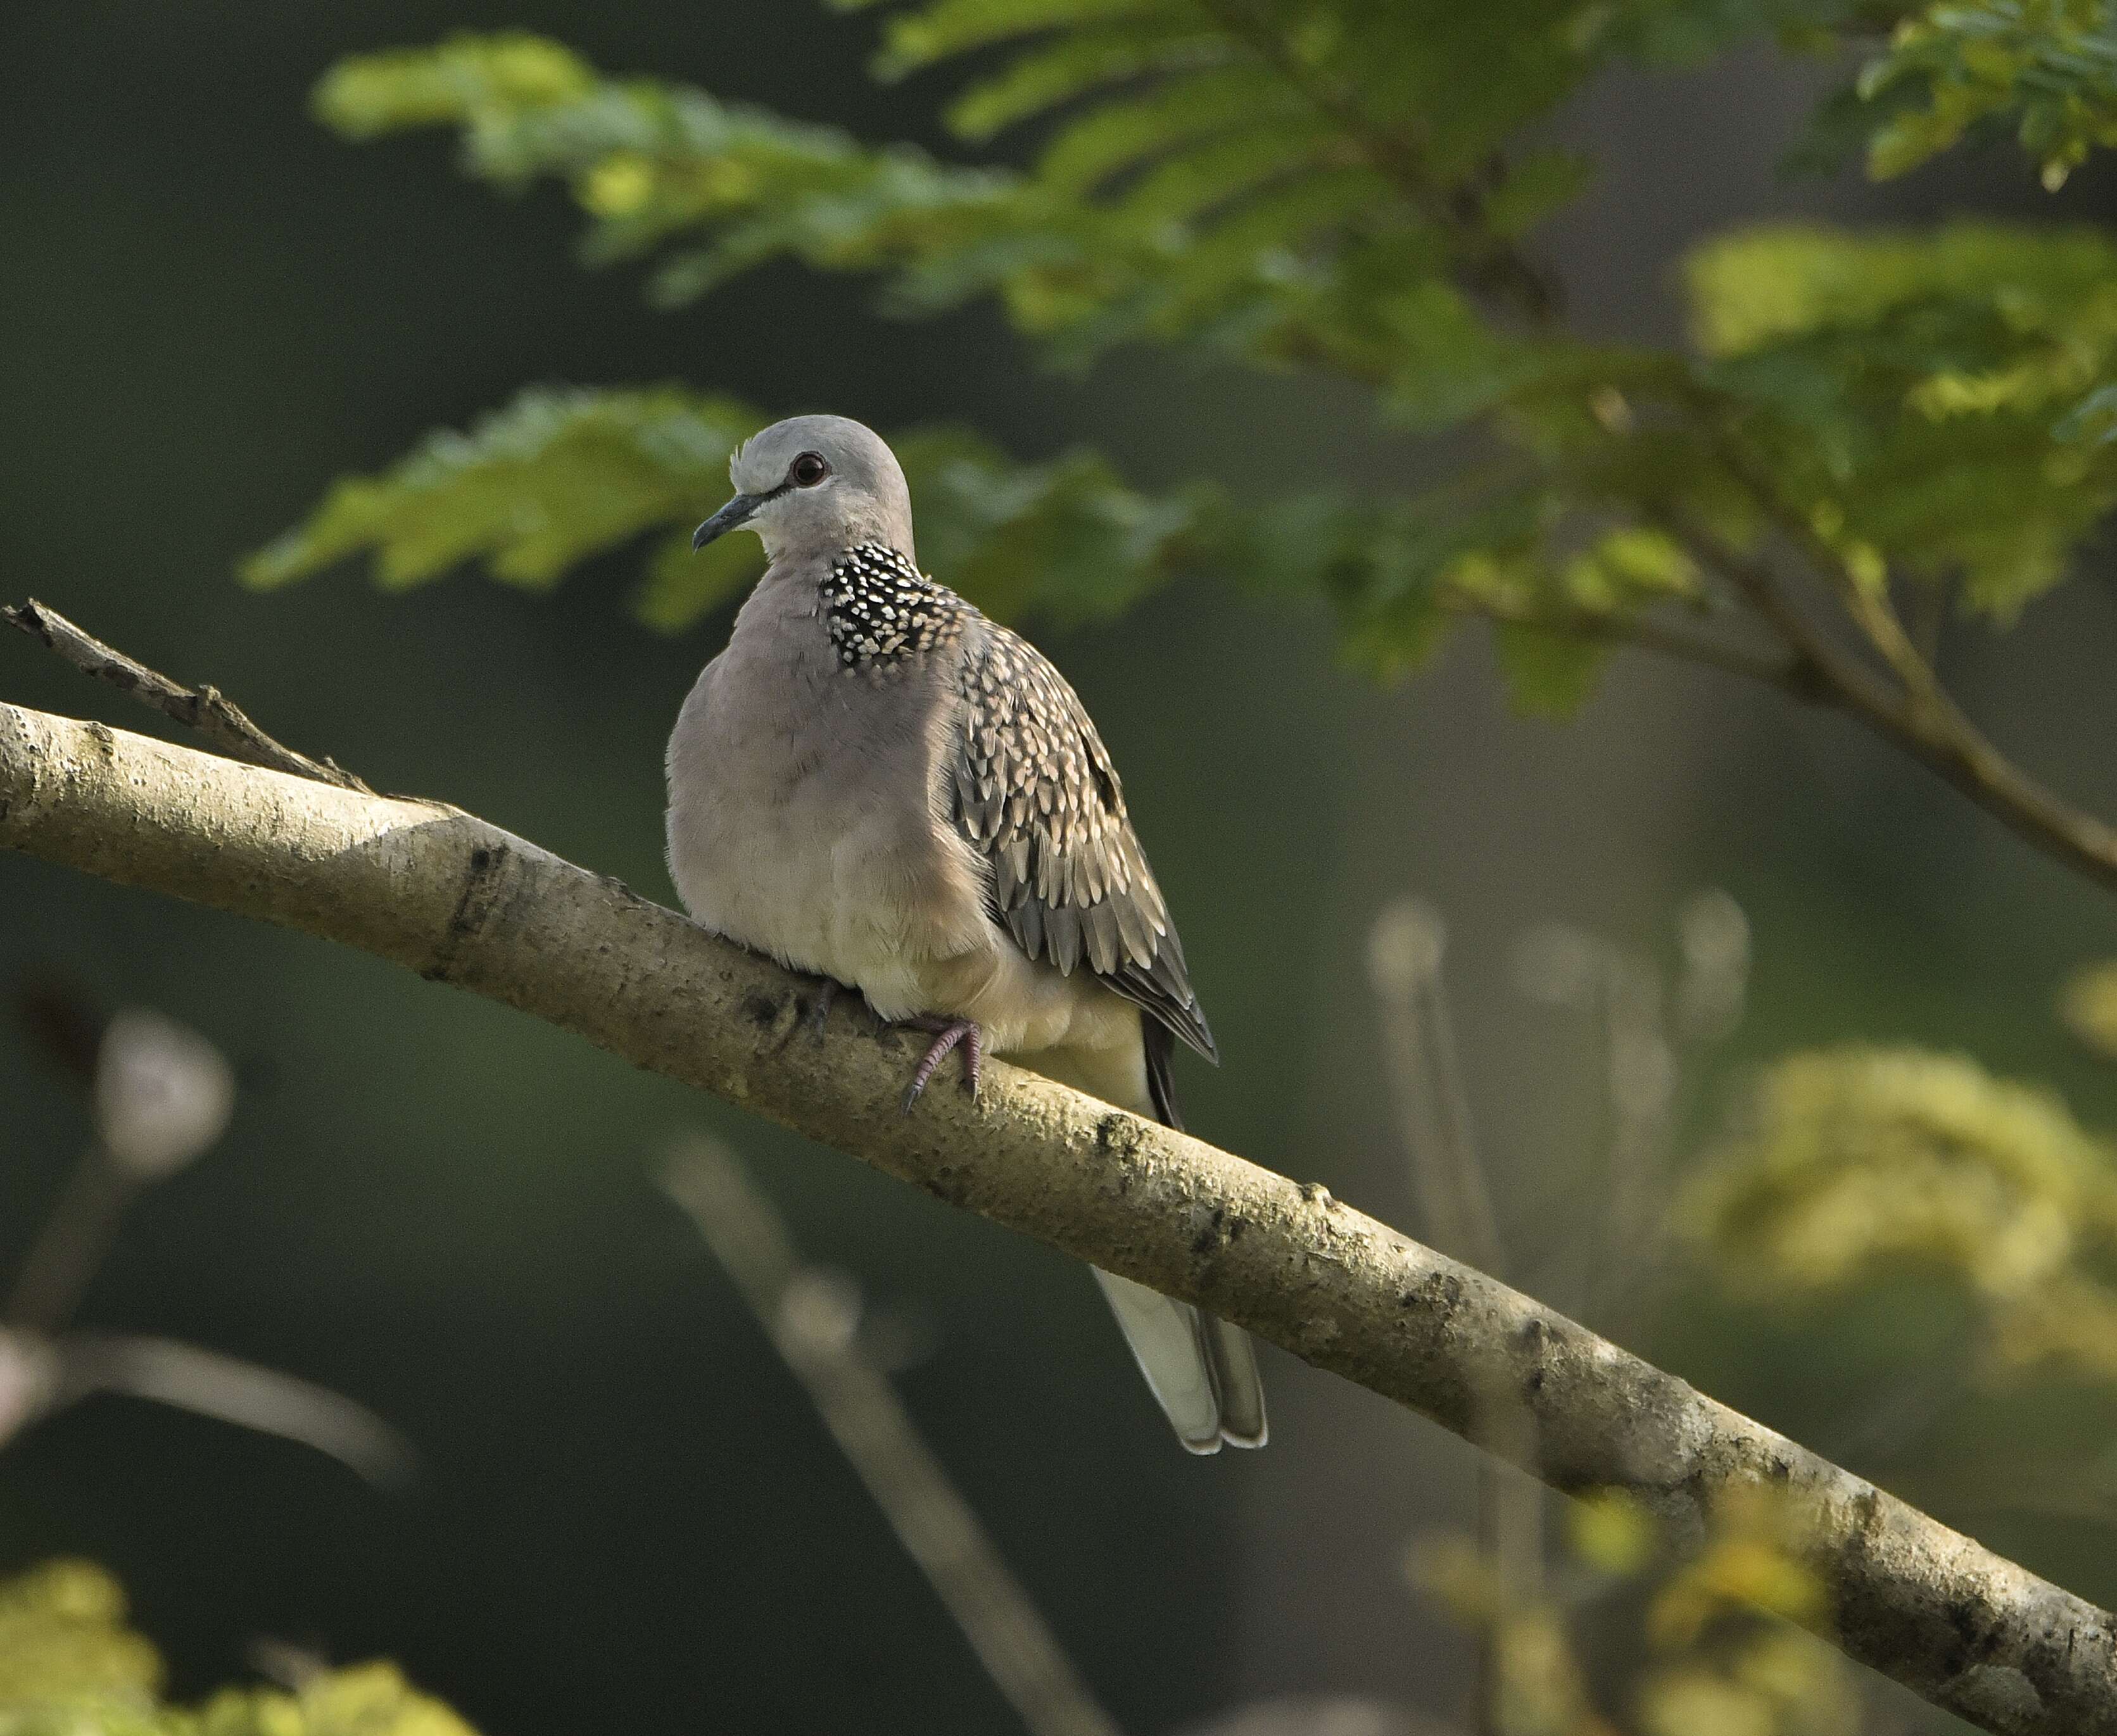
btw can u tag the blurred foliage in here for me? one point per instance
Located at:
(1719, 1647)
(1853, 1162)
(1909, 394)
(1342, 188)
(554, 477)
(1537, 1685)
(70, 1666)
(2088, 1005)
(558, 476)
(1727, 1657)
(63, 1635)
(2046, 67)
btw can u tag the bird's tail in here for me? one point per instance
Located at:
(1202, 1370)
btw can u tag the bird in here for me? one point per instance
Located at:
(877, 785)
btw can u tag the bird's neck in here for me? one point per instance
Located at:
(881, 612)
(798, 542)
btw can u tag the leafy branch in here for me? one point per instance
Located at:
(1491, 261)
(1913, 709)
(1315, 187)
(1959, 69)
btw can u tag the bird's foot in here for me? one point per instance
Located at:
(948, 1034)
(818, 1012)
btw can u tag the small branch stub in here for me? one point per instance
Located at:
(220, 721)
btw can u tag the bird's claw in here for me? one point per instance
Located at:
(948, 1034)
(817, 1017)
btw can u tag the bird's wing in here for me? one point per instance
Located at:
(1032, 787)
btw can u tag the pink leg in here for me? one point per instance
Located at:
(948, 1034)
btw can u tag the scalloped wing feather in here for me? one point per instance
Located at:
(1035, 790)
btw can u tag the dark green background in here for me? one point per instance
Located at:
(628, 1518)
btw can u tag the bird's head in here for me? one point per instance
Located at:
(813, 484)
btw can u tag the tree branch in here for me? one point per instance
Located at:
(1918, 715)
(221, 721)
(443, 893)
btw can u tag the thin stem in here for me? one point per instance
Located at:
(809, 1325)
(1640, 1080)
(1448, 1174)
(1426, 1081)
(1646, 632)
(1487, 1717)
(1912, 710)
(1510, 1510)
(219, 719)
(234, 1391)
(70, 1246)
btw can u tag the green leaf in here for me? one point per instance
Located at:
(1243, 187)
(918, 38)
(1066, 537)
(1074, 65)
(1533, 186)
(1927, 389)
(1327, 186)
(1961, 68)
(529, 492)
(1633, 564)
(652, 164)
(1774, 282)
(559, 476)
(465, 78)
(1450, 364)
(1173, 113)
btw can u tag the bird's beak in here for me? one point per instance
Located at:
(731, 517)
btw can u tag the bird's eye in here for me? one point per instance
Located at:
(808, 470)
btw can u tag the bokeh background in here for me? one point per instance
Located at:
(627, 1517)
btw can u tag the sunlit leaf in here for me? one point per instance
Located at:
(2046, 68)
(1928, 391)
(530, 492)
(1854, 1162)
(2089, 1007)
(1330, 187)
(70, 1666)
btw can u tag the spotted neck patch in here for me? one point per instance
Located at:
(880, 610)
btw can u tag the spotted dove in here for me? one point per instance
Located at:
(876, 785)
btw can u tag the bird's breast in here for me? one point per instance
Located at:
(801, 825)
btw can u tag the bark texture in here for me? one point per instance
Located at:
(462, 902)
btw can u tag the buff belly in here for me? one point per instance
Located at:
(900, 918)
